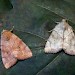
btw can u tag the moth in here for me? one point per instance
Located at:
(62, 37)
(13, 49)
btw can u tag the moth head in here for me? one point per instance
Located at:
(65, 23)
(6, 34)
(64, 20)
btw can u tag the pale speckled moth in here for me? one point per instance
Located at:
(13, 49)
(62, 37)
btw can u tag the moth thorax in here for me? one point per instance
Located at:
(7, 35)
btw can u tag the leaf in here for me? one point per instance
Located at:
(5, 5)
(32, 19)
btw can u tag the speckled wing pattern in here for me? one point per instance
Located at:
(13, 49)
(62, 37)
(69, 40)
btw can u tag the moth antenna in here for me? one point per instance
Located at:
(12, 29)
(63, 20)
(50, 30)
(57, 22)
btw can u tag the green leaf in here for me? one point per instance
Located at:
(5, 5)
(32, 19)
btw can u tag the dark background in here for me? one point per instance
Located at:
(32, 19)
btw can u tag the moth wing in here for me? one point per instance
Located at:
(20, 50)
(69, 41)
(6, 53)
(13, 48)
(55, 41)
(8, 60)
